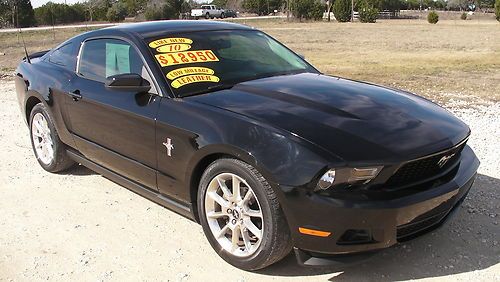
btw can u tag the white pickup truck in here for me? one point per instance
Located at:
(207, 12)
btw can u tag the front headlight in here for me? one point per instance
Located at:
(326, 181)
(347, 177)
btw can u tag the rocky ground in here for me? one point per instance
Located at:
(81, 226)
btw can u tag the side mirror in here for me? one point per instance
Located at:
(130, 82)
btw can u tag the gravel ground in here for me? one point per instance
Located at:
(79, 225)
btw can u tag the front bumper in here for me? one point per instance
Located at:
(382, 223)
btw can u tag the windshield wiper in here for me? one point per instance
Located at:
(209, 89)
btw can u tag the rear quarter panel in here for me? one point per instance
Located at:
(46, 83)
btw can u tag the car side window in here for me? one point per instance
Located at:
(64, 57)
(102, 58)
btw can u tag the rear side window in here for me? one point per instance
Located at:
(102, 58)
(64, 56)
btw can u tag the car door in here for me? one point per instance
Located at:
(115, 129)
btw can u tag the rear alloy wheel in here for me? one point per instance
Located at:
(48, 148)
(42, 140)
(241, 215)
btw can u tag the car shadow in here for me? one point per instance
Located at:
(467, 242)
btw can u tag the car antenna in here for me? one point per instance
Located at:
(25, 49)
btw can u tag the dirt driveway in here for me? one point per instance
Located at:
(81, 226)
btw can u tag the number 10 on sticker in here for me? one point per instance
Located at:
(187, 57)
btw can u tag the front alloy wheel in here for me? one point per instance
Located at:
(234, 214)
(241, 215)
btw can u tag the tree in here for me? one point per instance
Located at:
(497, 9)
(53, 13)
(17, 13)
(116, 13)
(164, 10)
(392, 6)
(134, 7)
(367, 12)
(97, 9)
(342, 10)
(307, 9)
(4, 14)
(262, 7)
(219, 3)
(457, 4)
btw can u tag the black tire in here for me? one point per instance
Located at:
(276, 241)
(207, 16)
(222, 15)
(60, 160)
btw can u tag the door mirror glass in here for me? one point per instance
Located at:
(130, 82)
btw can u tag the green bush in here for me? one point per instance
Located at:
(497, 9)
(433, 17)
(262, 7)
(342, 10)
(463, 16)
(368, 13)
(164, 12)
(317, 11)
(116, 13)
(307, 9)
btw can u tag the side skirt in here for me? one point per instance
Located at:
(180, 208)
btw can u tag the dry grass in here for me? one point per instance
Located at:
(11, 44)
(451, 58)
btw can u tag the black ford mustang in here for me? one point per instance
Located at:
(224, 125)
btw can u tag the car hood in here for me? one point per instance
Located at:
(356, 121)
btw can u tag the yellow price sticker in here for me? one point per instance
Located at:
(181, 81)
(173, 48)
(186, 57)
(188, 71)
(173, 40)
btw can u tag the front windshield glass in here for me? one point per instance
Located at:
(197, 62)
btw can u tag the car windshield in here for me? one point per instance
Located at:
(201, 62)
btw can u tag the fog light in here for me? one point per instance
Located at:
(326, 181)
(363, 174)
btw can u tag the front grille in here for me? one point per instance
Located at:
(424, 168)
(413, 228)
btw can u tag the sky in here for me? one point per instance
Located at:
(38, 3)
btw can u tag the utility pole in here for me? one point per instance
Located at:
(352, 11)
(287, 10)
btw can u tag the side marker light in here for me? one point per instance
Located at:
(313, 232)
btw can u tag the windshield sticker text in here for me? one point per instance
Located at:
(188, 71)
(181, 81)
(186, 57)
(165, 41)
(173, 48)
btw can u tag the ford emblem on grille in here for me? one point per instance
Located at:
(444, 160)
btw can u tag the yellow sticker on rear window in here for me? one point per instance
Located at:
(188, 71)
(181, 81)
(186, 57)
(173, 48)
(173, 40)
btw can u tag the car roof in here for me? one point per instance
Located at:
(155, 28)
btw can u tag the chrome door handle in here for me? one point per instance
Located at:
(75, 95)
